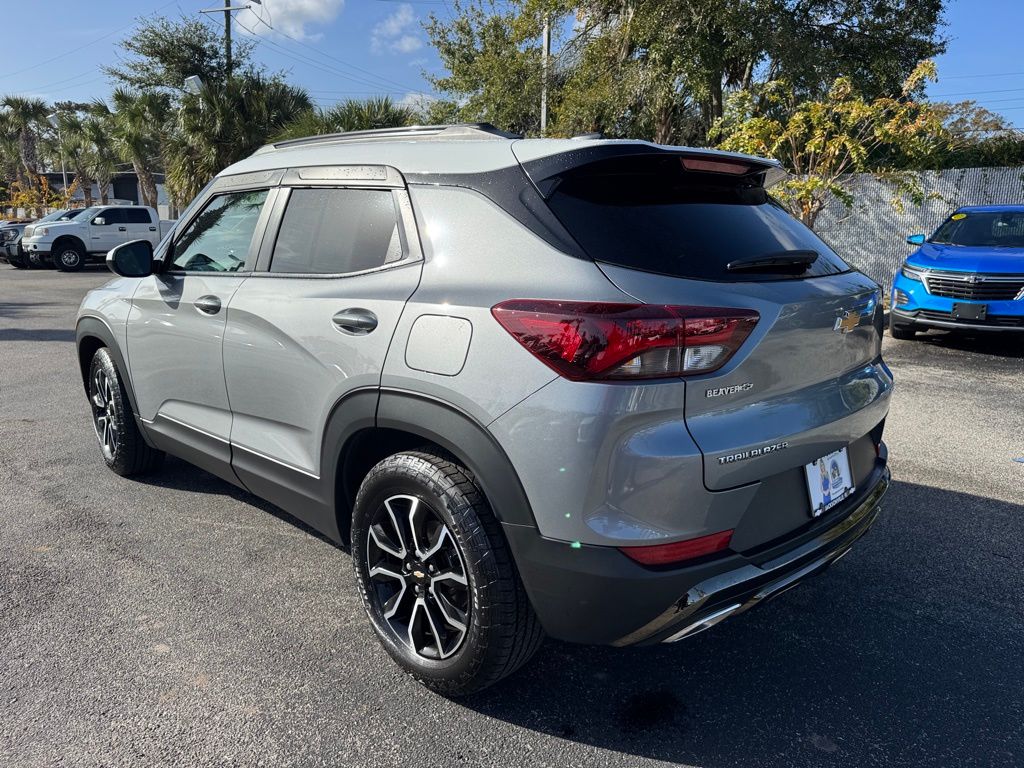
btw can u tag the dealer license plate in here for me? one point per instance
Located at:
(829, 481)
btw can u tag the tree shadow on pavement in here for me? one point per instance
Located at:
(37, 334)
(906, 653)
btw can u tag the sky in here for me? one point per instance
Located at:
(340, 49)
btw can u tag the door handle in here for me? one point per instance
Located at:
(355, 321)
(209, 305)
(122, 229)
(152, 229)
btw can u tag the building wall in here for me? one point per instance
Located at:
(872, 236)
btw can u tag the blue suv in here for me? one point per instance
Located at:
(968, 275)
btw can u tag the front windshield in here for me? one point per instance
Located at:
(83, 212)
(52, 216)
(992, 229)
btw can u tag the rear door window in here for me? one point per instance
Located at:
(652, 214)
(337, 231)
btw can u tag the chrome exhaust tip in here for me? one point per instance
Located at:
(705, 623)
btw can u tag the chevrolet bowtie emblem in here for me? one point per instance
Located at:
(847, 321)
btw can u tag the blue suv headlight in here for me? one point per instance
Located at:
(911, 273)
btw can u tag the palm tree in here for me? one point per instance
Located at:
(225, 123)
(104, 157)
(350, 115)
(72, 144)
(25, 116)
(136, 130)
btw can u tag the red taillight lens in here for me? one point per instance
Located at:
(677, 551)
(584, 341)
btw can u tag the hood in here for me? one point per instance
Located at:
(962, 258)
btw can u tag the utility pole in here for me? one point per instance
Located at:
(227, 10)
(545, 54)
(227, 37)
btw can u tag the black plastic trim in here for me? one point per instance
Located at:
(511, 190)
(93, 326)
(468, 440)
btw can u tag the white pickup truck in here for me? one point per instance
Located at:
(72, 244)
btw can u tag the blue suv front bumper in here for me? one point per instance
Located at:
(914, 304)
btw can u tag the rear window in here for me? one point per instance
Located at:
(1001, 229)
(652, 214)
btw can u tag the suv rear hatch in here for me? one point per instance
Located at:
(692, 229)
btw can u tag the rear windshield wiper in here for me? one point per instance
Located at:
(794, 262)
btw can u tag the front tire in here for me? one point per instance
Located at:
(436, 576)
(901, 331)
(69, 257)
(124, 449)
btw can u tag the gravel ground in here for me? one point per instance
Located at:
(180, 621)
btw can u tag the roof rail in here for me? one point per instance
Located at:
(455, 130)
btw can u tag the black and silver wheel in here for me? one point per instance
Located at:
(68, 257)
(437, 579)
(901, 331)
(417, 577)
(124, 449)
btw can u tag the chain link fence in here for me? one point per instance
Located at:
(872, 235)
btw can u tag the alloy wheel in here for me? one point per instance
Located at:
(418, 580)
(103, 412)
(70, 258)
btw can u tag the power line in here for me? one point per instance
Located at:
(333, 58)
(323, 67)
(975, 93)
(86, 45)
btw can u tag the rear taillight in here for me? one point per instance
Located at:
(586, 341)
(677, 551)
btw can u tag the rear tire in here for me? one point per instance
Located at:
(124, 449)
(439, 561)
(901, 331)
(69, 257)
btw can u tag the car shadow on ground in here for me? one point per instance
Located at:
(1002, 344)
(887, 661)
(1009, 344)
(180, 475)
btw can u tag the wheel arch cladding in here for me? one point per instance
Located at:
(92, 334)
(407, 420)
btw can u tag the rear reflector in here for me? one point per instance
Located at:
(677, 551)
(593, 341)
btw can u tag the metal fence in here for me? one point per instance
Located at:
(872, 236)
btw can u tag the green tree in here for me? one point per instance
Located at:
(662, 70)
(26, 117)
(137, 129)
(225, 123)
(350, 115)
(823, 142)
(161, 53)
(72, 146)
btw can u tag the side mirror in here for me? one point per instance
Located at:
(916, 239)
(134, 259)
(99, 221)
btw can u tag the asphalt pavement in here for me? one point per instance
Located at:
(180, 621)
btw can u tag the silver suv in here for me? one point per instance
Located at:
(606, 391)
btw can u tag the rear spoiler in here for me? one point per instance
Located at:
(544, 161)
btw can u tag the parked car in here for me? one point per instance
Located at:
(73, 241)
(969, 275)
(10, 240)
(607, 391)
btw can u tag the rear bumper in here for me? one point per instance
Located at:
(597, 595)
